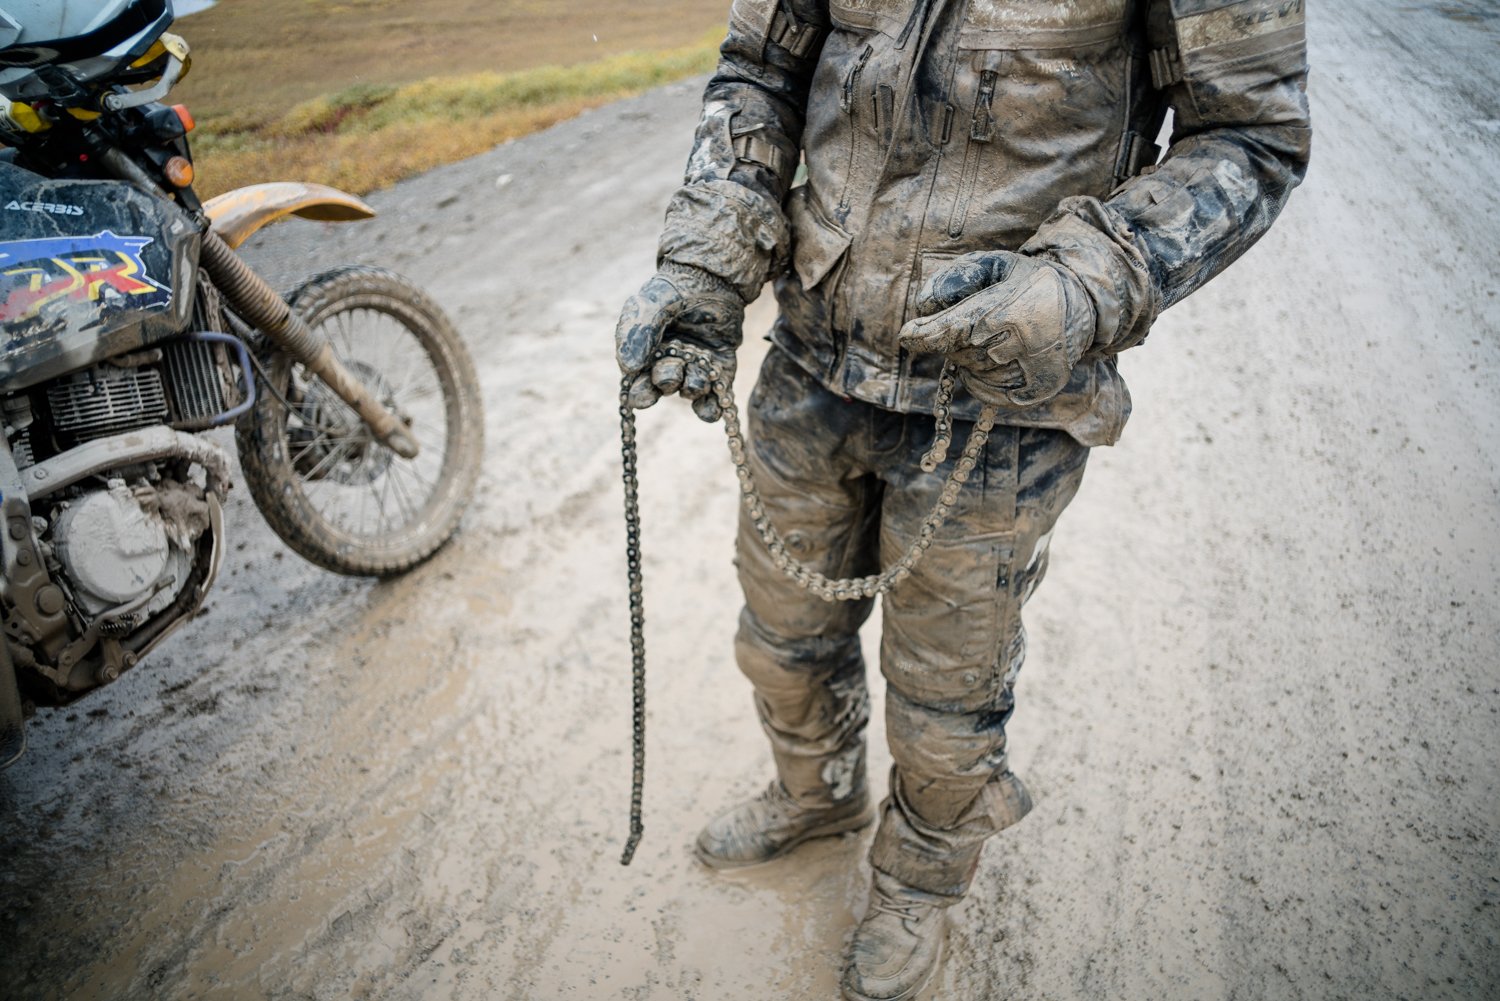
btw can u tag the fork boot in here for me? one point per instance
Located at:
(897, 946)
(773, 823)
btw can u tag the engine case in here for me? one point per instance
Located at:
(113, 549)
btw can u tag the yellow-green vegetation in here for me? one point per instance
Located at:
(361, 93)
(370, 136)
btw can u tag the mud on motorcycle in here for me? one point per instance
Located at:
(131, 326)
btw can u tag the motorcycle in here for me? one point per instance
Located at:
(131, 327)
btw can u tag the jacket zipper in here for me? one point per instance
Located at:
(850, 107)
(981, 131)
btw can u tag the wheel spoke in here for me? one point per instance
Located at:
(409, 507)
(410, 469)
(364, 499)
(385, 492)
(325, 441)
(333, 456)
(422, 423)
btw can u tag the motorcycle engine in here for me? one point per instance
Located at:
(129, 545)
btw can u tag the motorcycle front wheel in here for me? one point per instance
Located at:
(324, 483)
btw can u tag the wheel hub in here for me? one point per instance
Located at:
(333, 443)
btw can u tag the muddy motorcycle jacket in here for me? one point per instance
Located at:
(934, 128)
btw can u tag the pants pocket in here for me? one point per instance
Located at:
(945, 626)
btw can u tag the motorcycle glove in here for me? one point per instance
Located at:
(1013, 325)
(686, 304)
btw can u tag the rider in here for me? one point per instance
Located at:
(983, 192)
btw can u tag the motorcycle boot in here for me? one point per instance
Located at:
(771, 824)
(897, 946)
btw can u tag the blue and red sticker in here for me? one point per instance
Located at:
(104, 269)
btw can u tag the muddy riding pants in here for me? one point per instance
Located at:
(841, 479)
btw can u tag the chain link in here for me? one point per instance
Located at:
(827, 588)
(942, 429)
(637, 621)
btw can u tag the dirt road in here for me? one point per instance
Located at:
(1259, 716)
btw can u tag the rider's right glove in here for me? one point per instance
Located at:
(685, 304)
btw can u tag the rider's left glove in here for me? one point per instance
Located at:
(690, 306)
(1013, 325)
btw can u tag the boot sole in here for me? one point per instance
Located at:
(854, 823)
(912, 993)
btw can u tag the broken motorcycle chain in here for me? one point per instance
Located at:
(829, 589)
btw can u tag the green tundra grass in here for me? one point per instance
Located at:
(361, 93)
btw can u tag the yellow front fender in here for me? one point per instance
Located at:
(239, 213)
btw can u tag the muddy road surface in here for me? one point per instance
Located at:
(1261, 715)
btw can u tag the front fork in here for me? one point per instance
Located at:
(259, 304)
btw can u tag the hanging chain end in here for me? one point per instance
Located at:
(630, 846)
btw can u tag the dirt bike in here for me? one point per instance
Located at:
(131, 326)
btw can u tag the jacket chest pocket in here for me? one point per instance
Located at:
(1041, 25)
(889, 17)
(1039, 86)
(853, 110)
